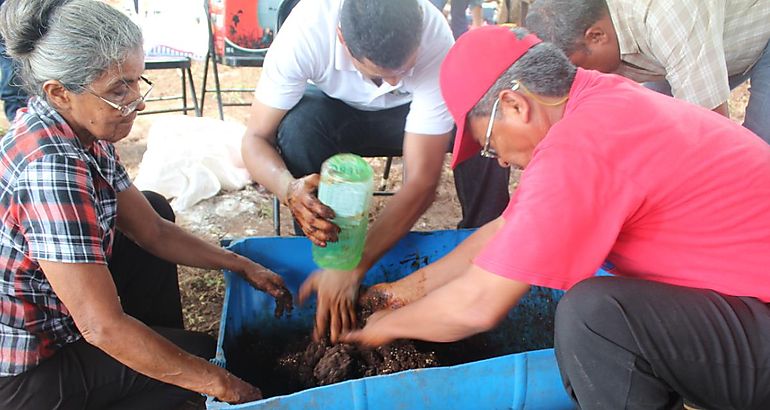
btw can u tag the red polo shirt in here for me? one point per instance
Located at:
(661, 189)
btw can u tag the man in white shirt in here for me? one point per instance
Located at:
(373, 66)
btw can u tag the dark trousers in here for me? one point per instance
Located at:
(319, 127)
(81, 376)
(633, 344)
(10, 91)
(458, 20)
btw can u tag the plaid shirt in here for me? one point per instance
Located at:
(58, 202)
(694, 44)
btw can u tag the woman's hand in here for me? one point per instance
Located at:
(271, 283)
(235, 390)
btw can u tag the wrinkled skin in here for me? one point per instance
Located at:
(263, 279)
(238, 391)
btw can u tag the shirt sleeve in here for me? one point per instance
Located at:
(687, 39)
(291, 61)
(428, 113)
(562, 221)
(57, 212)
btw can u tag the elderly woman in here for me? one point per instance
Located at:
(90, 315)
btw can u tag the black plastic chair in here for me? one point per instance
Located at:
(183, 64)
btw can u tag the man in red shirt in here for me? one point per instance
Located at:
(670, 197)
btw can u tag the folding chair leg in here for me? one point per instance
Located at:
(205, 77)
(388, 163)
(218, 88)
(276, 216)
(198, 110)
(212, 55)
(184, 91)
(386, 174)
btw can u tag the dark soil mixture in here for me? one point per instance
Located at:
(285, 364)
(284, 360)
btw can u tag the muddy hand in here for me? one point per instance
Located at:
(238, 391)
(381, 296)
(263, 279)
(311, 215)
(337, 292)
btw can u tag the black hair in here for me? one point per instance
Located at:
(564, 22)
(385, 32)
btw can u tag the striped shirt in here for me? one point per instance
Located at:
(694, 44)
(58, 203)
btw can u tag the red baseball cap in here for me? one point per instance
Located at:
(469, 70)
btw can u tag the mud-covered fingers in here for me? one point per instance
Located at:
(324, 229)
(319, 231)
(238, 391)
(283, 303)
(283, 296)
(251, 394)
(319, 219)
(317, 207)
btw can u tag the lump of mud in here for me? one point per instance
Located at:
(322, 363)
(335, 365)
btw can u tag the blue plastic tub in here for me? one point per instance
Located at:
(521, 371)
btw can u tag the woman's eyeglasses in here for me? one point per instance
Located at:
(127, 109)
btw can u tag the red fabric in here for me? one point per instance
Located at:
(464, 81)
(662, 189)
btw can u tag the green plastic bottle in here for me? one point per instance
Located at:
(346, 187)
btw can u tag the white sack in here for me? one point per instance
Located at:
(191, 159)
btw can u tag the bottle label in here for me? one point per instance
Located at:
(346, 199)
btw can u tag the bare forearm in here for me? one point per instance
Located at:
(135, 345)
(449, 267)
(398, 217)
(465, 306)
(266, 166)
(178, 246)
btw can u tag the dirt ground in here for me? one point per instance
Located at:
(249, 212)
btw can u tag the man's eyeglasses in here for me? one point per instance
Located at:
(487, 151)
(127, 109)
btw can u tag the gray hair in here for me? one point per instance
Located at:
(543, 70)
(72, 41)
(563, 22)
